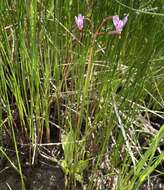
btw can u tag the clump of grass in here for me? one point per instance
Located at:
(92, 93)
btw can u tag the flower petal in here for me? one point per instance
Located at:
(79, 20)
(115, 20)
(125, 19)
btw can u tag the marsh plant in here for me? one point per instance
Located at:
(81, 84)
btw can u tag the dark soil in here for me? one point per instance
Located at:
(41, 176)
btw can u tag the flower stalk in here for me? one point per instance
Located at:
(119, 24)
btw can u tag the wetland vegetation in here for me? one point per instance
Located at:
(82, 94)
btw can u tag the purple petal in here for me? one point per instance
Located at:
(79, 20)
(118, 23)
(115, 20)
(119, 26)
(125, 19)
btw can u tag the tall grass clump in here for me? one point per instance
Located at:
(94, 93)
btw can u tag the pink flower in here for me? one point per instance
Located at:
(79, 21)
(118, 23)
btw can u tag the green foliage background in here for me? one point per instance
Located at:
(44, 61)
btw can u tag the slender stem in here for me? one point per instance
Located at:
(90, 68)
(85, 89)
(102, 23)
(109, 33)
